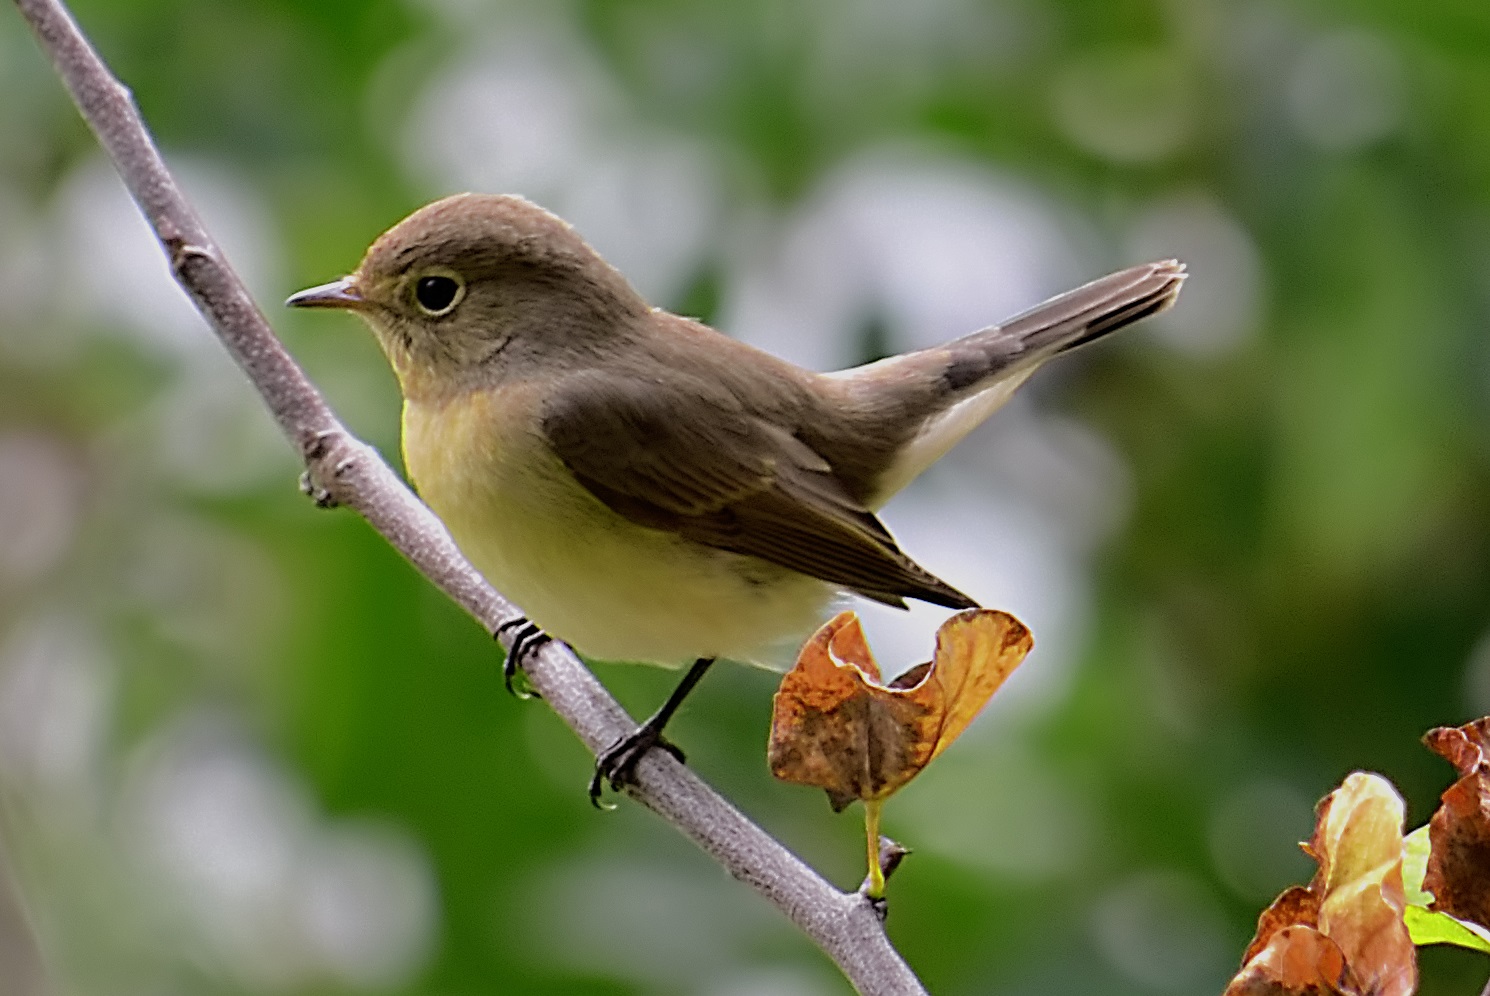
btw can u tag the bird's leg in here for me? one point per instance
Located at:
(528, 639)
(618, 762)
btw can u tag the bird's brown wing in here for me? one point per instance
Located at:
(687, 457)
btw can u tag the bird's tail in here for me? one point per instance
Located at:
(943, 392)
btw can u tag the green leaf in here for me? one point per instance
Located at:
(1426, 927)
(1415, 848)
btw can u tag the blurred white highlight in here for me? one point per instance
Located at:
(1129, 104)
(1477, 677)
(41, 499)
(933, 247)
(54, 700)
(1253, 835)
(1224, 296)
(658, 924)
(1164, 931)
(205, 588)
(534, 115)
(215, 435)
(280, 897)
(1347, 90)
(29, 283)
(996, 807)
(117, 272)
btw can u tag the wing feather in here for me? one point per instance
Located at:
(688, 457)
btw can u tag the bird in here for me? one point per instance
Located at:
(644, 487)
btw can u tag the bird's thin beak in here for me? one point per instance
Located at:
(337, 294)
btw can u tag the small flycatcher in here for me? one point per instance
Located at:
(644, 487)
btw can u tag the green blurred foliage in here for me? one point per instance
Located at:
(1300, 587)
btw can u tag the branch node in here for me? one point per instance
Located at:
(182, 254)
(315, 444)
(330, 455)
(891, 854)
(316, 493)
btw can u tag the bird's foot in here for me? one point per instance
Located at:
(617, 763)
(527, 640)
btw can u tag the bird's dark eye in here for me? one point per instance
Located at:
(437, 294)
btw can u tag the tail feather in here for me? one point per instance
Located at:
(943, 392)
(1085, 314)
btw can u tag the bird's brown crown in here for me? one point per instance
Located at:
(479, 232)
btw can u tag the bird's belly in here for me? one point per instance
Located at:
(611, 589)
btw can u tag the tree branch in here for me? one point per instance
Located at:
(844, 925)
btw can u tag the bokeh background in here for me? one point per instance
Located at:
(245, 749)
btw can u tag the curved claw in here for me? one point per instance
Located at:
(617, 763)
(528, 639)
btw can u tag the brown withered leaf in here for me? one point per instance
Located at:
(1295, 906)
(834, 725)
(1296, 961)
(1343, 935)
(1459, 833)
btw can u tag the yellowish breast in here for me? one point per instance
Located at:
(610, 588)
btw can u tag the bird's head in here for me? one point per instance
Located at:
(475, 286)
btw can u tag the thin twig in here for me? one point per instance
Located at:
(351, 473)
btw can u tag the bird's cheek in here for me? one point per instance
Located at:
(396, 343)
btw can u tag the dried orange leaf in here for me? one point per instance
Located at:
(1294, 907)
(1358, 842)
(836, 726)
(1344, 934)
(1296, 961)
(1459, 832)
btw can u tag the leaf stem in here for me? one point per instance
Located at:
(872, 809)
